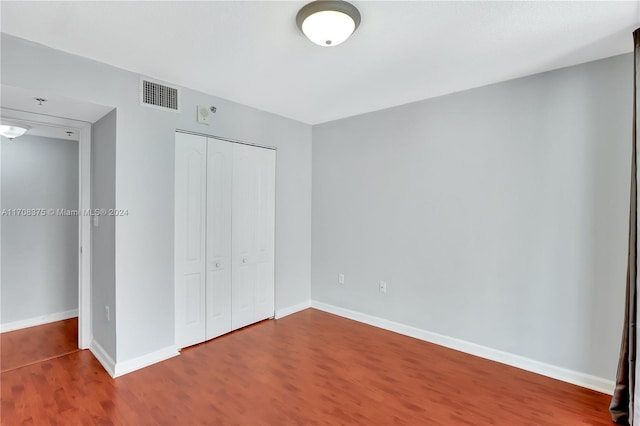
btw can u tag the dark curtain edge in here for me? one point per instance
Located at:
(622, 401)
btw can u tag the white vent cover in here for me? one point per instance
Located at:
(158, 95)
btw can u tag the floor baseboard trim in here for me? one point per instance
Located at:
(126, 367)
(281, 313)
(574, 377)
(103, 357)
(40, 320)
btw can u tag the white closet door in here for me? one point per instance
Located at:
(264, 292)
(253, 226)
(190, 208)
(218, 293)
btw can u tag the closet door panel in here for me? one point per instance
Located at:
(243, 236)
(253, 234)
(265, 162)
(218, 279)
(190, 207)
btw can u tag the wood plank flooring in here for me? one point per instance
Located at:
(35, 344)
(308, 368)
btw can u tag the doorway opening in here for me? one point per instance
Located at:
(46, 238)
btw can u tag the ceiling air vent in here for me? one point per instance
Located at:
(158, 95)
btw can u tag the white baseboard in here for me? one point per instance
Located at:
(43, 319)
(281, 313)
(581, 379)
(125, 367)
(121, 368)
(103, 357)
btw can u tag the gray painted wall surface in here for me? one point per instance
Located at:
(103, 237)
(144, 183)
(497, 215)
(39, 253)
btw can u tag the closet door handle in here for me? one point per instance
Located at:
(244, 260)
(217, 265)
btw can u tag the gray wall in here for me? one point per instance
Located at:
(39, 254)
(497, 215)
(103, 237)
(144, 184)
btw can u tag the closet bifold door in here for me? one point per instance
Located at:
(190, 228)
(218, 278)
(253, 228)
(224, 237)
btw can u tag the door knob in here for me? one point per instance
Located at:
(217, 265)
(244, 260)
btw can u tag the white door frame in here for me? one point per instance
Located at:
(84, 223)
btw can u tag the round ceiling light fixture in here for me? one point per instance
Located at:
(10, 132)
(328, 23)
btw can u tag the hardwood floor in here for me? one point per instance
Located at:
(308, 368)
(34, 344)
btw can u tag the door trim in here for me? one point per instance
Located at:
(84, 223)
(222, 138)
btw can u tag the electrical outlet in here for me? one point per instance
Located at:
(383, 286)
(107, 313)
(341, 279)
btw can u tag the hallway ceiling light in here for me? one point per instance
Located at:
(11, 132)
(328, 23)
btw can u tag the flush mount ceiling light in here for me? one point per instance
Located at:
(328, 23)
(11, 132)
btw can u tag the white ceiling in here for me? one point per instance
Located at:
(56, 105)
(404, 51)
(46, 131)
